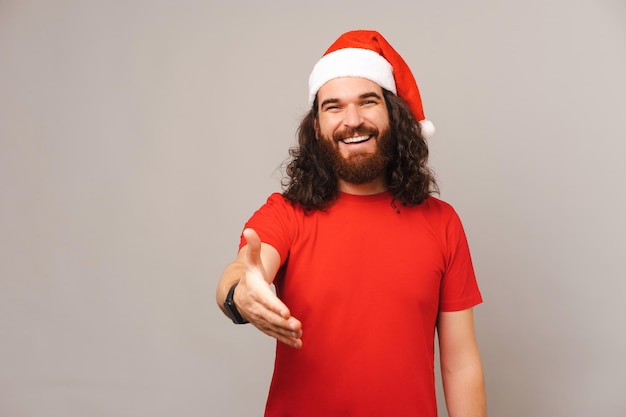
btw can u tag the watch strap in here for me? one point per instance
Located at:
(231, 308)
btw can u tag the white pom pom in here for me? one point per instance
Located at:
(428, 129)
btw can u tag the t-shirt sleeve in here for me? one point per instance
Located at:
(274, 224)
(459, 288)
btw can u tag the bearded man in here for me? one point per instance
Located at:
(367, 265)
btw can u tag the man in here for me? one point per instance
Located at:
(366, 264)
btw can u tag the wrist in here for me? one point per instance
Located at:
(231, 308)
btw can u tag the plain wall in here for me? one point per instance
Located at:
(136, 138)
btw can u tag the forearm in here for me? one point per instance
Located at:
(461, 366)
(230, 276)
(465, 391)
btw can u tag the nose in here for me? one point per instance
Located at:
(352, 116)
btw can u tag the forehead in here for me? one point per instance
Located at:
(347, 88)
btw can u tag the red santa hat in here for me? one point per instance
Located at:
(366, 54)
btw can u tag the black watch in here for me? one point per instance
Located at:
(231, 308)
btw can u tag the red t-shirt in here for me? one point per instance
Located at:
(367, 282)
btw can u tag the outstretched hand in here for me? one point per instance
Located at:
(256, 301)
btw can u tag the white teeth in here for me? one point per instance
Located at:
(356, 139)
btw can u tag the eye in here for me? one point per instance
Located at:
(332, 107)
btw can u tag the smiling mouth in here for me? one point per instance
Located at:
(356, 139)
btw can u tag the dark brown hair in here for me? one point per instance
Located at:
(311, 182)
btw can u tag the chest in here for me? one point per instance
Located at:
(355, 259)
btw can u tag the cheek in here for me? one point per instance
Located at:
(326, 131)
(382, 122)
(327, 125)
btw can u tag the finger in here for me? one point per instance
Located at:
(268, 320)
(295, 342)
(253, 253)
(291, 328)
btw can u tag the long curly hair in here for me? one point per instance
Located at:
(310, 180)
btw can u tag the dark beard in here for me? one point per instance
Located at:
(358, 168)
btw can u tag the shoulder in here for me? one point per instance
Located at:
(277, 210)
(436, 206)
(441, 215)
(276, 197)
(275, 222)
(278, 201)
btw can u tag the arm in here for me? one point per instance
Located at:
(461, 367)
(254, 268)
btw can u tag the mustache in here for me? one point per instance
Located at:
(358, 131)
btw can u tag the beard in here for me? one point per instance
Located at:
(358, 167)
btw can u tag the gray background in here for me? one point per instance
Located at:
(136, 137)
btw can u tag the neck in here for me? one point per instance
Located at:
(375, 187)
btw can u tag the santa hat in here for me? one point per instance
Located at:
(366, 54)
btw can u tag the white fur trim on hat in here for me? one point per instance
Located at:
(427, 128)
(351, 62)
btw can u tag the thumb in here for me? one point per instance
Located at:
(253, 254)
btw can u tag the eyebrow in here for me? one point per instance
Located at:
(361, 97)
